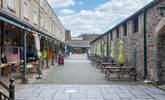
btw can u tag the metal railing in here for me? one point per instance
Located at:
(10, 90)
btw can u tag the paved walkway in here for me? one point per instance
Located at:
(78, 80)
(77, 70)
(90, 92)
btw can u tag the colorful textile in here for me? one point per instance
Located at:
(112, 51)
(44, 54)
(133, 58)
(120, 58)
(98, 50)
(50, 53)
(37, 44)
(61, 60)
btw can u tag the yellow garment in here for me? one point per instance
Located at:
(44, 54)
(112, 51)
(98, 50)
(120, 58)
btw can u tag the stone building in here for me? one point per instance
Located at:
(37, 13)
(81, 43)
(67, 35)
(89, 37)
(143, 34)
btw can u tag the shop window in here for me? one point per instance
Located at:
(26, 8)
(117, 33)
(11, 4)
(42, 21)
(135, 24)
(42, 3)
(125, 29)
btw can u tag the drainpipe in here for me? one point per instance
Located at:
(2, 31)
(145, 45)
(108, 58)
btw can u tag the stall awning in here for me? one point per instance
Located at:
(11, 22)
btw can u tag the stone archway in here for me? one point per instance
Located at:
(161, 50)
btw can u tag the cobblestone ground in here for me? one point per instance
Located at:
(78, 80)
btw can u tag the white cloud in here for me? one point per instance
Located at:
(66, 12)
(100, 19)
(61, 3)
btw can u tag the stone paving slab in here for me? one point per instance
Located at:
(90, 92)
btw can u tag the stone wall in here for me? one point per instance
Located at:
(155, 71)
(135, 42)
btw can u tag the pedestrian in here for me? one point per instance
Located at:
(61, 58)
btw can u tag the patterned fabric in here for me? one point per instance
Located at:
(44, 54)
(99, 50)
(133, 58)
(50, 54)
(112, 51)
(120, 58)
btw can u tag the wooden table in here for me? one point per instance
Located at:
(106, 64)
(120, 71)
(99, 62)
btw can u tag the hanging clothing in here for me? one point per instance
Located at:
(44, 54)
(112, 51)
(50, 54)
(120, 58)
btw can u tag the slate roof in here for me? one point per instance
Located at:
(79, 43)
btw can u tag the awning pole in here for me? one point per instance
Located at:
(53, 53)
(25, 77)
(2, 31)
(47, 58)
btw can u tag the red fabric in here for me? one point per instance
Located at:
(50, 54)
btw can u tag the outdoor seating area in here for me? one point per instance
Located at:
(113, 70)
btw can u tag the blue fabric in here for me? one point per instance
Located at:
(133, 58)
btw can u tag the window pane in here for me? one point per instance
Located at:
(26, 9)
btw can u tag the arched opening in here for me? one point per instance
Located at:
(161, 51)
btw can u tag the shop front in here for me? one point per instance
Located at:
(24, 51)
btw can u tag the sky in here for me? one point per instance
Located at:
(94, 16)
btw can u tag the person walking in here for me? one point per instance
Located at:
(61, 58)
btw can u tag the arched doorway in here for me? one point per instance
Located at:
(161, 51)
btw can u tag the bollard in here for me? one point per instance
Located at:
(12, 89)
